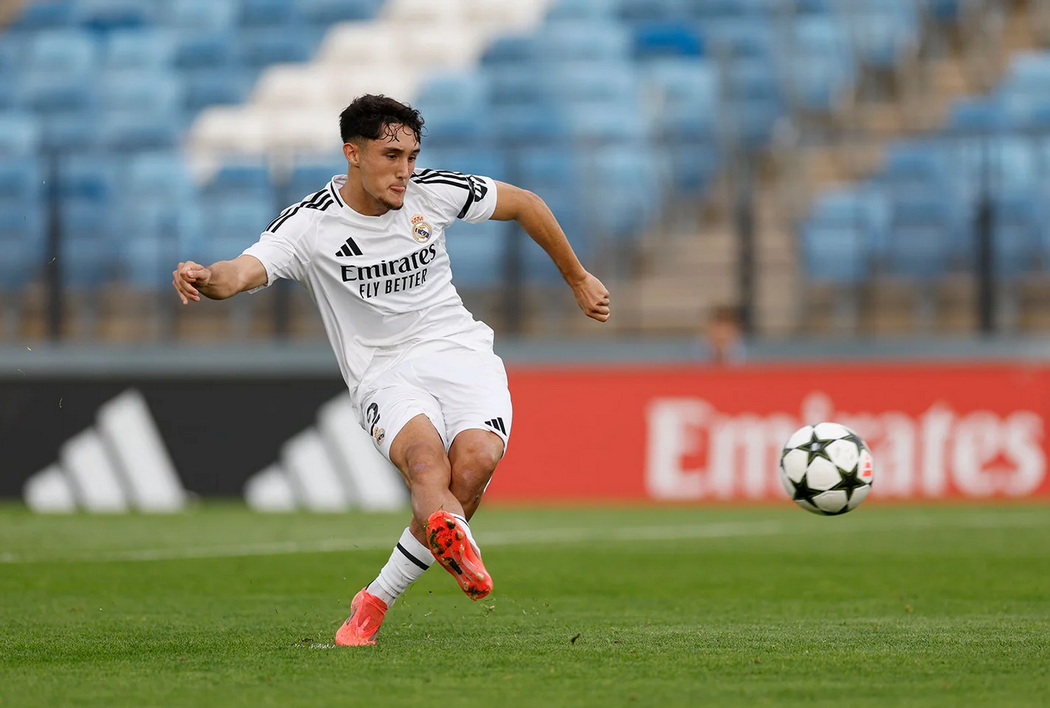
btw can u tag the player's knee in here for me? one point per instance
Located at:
(472, 472)
(426, 467)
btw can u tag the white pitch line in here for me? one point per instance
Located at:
(529, 536)
(496, 538)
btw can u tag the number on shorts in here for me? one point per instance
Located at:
(372, 416)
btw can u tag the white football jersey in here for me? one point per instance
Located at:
(383, 284)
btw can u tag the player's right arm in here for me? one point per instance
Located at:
(218, 281)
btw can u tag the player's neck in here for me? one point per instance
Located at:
(357, 198)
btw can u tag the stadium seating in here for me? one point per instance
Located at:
(639, 96)
(991, 158)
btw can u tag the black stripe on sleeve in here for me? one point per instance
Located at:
(467, 204)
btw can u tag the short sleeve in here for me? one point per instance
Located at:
(458, 196)
(281, 249)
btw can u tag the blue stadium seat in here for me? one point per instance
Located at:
(1019, 221)
(820, 62)
(448, 126)
(231, 226)
(140, 50)
(653, 10)
(512, 85)
(147, 253)
(583, 41)
(606, 123)
(977, 116)
(44, 15)
(93, 178)
(693, 164)
(1029, 72)
(925, 229)
(200, 15)
(684, 95)
(477, 253)
(145, 90)
(620, 183)
(106, 16)
(665, 38)
(845, 230)
(20, 134)
(883, 30)
(311, 174)
(260, 47)
(736, 38)
(582, 10)
(531, 125)
(196, 50)
(88, 233)
(462, 88)
(243, 181)
(727, 9)
(512, 49)
(22, 179)
(130, 130)
(65, 51)
(547, 169)
(12, 52)
(163, 176)
(613, 82)
(915, 166)
(834, 253)
(208, 87)
(270, 13)
(56, 92)
(23, 241)
(75, 132)
(327, 12)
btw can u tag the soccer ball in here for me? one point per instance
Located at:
(826, 468)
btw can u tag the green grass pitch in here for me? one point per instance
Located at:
(886, 606)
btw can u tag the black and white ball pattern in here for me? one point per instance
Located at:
(826, 468)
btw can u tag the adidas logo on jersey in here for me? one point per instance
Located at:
(496, 424)
(350, 248)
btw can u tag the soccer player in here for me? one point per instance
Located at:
(370, 249)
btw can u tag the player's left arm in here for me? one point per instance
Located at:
(535, 217)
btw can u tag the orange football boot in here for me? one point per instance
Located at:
(453, 550)
(366, 615)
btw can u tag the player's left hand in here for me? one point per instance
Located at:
(593, 297)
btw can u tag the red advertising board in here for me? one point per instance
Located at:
(699, 434)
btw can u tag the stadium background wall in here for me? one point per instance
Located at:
(606, 434)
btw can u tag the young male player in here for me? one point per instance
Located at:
(370, 249)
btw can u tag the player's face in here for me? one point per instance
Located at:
(387, 164)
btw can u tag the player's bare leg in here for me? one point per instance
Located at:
(455, 484)
(419, 454)
(473, 457)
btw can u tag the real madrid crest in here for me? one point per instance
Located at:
(421, 230)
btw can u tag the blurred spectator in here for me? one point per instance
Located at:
(721, 342)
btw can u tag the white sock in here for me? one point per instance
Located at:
(409, 560)
(470, 536)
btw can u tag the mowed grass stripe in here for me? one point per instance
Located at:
(552, 535)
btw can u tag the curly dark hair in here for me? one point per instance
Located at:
(371, 117)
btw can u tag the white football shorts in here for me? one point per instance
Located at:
(457, 389)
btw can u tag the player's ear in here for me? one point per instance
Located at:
(352, 152)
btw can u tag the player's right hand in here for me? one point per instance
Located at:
(187, 278)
